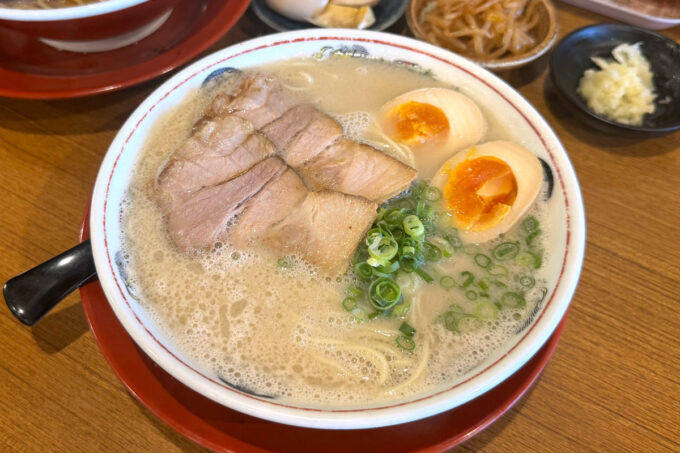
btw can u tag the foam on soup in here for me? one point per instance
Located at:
(283, 332)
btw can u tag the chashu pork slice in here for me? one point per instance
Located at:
(200, 220)
(218, 151)
(324, 230)
(273, 203)
(357, 169)
(259, 99)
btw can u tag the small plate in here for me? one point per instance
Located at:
(222, 429)
(38, 71)
(572, 56)
(387, 12)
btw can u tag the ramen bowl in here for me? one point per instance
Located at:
(90, 27)
(122, 158)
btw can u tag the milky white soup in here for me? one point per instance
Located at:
(276, 327)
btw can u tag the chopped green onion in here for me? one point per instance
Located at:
(482, 260)
(424, 275)
(413, 226)
(483, 283)
(447, 282)
(373, 315)
(394, 216)
(406, 329)
(384, 293)
(513, 300)
(382, 250)
(485, 311)
(497, 270)
(387, 270)
(469, 278)
(363, 271)
(454, 241)
(531, 236)
(506, 251)
(431, 252)
(349, 303)
(405, 343)
(528, 259)
(530, 224)
(471, 295)
(527, 281)
(355, 291)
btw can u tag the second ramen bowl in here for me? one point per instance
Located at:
(122, 158)
(91, 27)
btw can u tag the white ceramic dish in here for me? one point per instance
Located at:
(531, 129)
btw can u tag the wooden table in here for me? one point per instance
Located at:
(612, 385)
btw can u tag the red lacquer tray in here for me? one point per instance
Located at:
(219, 428)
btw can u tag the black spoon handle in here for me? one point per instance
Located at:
(35, 292)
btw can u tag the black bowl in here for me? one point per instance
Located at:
(572, 57)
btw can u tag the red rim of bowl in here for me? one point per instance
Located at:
(44, 86)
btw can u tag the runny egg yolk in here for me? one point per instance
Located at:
(480, 192)
(415, 123)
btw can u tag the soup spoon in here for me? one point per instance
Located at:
(32, 294)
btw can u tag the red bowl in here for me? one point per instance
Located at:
(95, 21)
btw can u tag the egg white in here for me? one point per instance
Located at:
(466, 125)
(527, 171)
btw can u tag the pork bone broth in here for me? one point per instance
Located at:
(277, 327)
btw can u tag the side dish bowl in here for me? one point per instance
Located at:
(572, 57)
(115, 174)
(546, 32)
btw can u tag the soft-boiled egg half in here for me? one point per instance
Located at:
(328, 13)
(434, 123)
(487, 188)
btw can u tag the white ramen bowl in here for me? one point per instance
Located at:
(529, 128)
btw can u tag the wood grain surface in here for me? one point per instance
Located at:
(613, 384)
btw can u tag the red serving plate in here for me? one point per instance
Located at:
(30, 69)
(222, 429)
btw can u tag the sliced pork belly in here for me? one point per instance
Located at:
(276, 199)
(219, 151)
(357, 169)
(311, 141)
(200, 220)
(301, 133)
(260, 99)
(324, 229)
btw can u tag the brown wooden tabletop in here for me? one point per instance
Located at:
(613, 383)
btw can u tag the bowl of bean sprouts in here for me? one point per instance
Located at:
(499, 35)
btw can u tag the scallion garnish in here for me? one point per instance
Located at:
(482, 260)
(384, 293)
(413, 226)
(405, 343)
(513, 300)
(407, 329)
(447, 282)
(527, 281)
(349, 303)
(506, 251)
